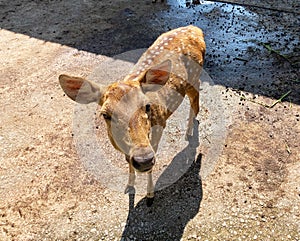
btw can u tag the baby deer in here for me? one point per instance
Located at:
(136, 109)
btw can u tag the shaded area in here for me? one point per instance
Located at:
(289, 6)
(250, 49)
(106, 28)
(173, 206)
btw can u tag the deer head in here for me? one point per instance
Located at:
(128, 110)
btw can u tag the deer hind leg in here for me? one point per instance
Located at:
(131, 180)
(193, 95)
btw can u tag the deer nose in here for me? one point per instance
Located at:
(143, 161)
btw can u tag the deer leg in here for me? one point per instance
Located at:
(150, 189)
(131, 179)
(193, 95)
(156, 133)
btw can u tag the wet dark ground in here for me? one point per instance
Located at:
(251, 46)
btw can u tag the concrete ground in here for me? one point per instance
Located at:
(248, 190)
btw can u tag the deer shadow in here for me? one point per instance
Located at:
(173, 206)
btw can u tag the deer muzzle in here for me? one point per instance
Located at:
(143, 159)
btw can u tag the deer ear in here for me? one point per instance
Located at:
(81, 90)
(159, 74)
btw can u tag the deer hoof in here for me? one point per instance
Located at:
(149, 201)
(129, 190)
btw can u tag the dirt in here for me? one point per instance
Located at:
(249, 192)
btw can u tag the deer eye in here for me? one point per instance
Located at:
(148, 108)
(106, 116)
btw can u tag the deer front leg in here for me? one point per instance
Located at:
(131, 180)
(150, 189)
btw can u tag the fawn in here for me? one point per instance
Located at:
(136, 109)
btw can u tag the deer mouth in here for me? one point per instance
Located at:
(145, 170)
(143, 161)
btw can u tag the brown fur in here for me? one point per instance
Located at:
(138, 107)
